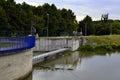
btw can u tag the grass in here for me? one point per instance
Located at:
(105, 40)
(103, 43)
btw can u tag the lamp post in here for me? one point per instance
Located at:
(110, 29)
(47, 25)
(33, 29)
(85, 29)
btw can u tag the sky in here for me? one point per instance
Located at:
(81, 8)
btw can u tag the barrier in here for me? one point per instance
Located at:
(12, 44)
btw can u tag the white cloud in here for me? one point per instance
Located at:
(81, 8)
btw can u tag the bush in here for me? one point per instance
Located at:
(116, 47)
(104, 48)
(108, 48)
(87, 47)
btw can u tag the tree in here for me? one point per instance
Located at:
(3, 18)
(116, 27)
(18, 17)
(86, 26)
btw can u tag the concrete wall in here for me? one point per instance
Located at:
(73, 44)
(50, 44)
(15, 65)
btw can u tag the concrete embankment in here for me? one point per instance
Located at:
(53, 46)
(15, 65)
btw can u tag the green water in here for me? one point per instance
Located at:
(80, 66)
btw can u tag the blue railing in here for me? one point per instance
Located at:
(13, 44)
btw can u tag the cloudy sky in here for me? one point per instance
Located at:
(81, 8)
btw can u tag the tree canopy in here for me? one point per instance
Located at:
(18, 18)
(89, 27)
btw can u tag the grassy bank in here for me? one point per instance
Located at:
(104, 43)
(105, 40)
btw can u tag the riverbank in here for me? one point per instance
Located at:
(104, 43)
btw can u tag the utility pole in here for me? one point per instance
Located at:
(85, 28)
(31, 27)
(110, 29)
(47, 25)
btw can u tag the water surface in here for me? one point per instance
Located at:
(81, 66)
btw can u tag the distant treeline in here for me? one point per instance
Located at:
(101, 27)
(18, 19)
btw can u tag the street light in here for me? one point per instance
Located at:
(33, 29)
(85, 29)
(47, 25)
(110, 29)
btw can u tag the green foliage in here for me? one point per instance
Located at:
(19, 17)
(116, 47)
(105, 40)
(87, 19)
(93, 48)
(116, 27)
(67, 52)
(99, 27)
(103, 43)
(86, 26)
(3, 18)
(103, 48)
(102, 28)
(107, 28)
(87, 47)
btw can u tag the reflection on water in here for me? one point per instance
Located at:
(81, 66)
(65, 62)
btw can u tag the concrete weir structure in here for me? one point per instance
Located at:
(15, 65)
(16, 57)
(51, 44)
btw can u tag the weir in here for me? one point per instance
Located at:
(16, 53)
(53, 46)
(16, 57)
(42, 57)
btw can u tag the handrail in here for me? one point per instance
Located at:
(13, 44)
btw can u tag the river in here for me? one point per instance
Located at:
(80, 66)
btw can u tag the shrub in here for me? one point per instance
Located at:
(87, 47)
(104, 48)
(114, 46)
(108, 48)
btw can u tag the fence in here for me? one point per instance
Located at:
(12, 44)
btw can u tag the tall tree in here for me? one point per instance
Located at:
(20, 17)
(86, 25)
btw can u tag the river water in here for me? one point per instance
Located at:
(80, 66)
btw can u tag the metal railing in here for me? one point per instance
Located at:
(12, 44)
